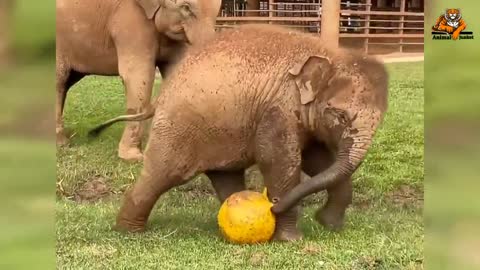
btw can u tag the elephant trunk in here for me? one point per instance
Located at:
(350, 155)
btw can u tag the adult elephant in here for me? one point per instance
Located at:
(127, 38)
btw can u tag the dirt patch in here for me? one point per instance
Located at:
(92, 191)
(368, 262)
(361, 202)
(406, 196)
(400, 57)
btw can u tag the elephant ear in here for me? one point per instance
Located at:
(150, 7)
(314, 68)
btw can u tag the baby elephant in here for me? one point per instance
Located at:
(265, 95)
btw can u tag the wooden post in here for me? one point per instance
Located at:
(270, 8)
(234, 9)
(330, 29)
(368, 8)
(252, 4)
(402, 9)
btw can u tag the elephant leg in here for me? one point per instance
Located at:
(138, 77)
(62, 73)
(226, 183)
(59, 127)
(162, 170)
(279, 159)
(332, 215)
(65, 78)
(316, 158)
(279, 177)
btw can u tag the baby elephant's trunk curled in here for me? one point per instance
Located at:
(347, 161)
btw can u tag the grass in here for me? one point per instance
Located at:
(183, 235)
(384, 227)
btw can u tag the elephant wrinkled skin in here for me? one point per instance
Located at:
(264, 95)
(127, 38)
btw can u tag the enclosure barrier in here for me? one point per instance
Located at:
(360, 26)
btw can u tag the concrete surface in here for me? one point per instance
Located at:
(400, 57)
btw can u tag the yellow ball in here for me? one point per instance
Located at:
(245, 218)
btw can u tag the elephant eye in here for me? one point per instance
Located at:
(343, 119)
(187, 9)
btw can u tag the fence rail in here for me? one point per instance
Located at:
(372, 27)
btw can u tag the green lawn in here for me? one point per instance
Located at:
(384, 228)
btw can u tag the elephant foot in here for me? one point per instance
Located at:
(130, 154)
(286, 226)
(287, 235)
(125, 226)
(330, 219)
(62, 139)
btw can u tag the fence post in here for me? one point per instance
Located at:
(368, 8)
(270, 8)
(402, 18)
(330, 29)
(252, 4)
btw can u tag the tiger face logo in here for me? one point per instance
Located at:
(453, 16)
(450, 22)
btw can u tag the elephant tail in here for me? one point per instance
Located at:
(93, 133)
